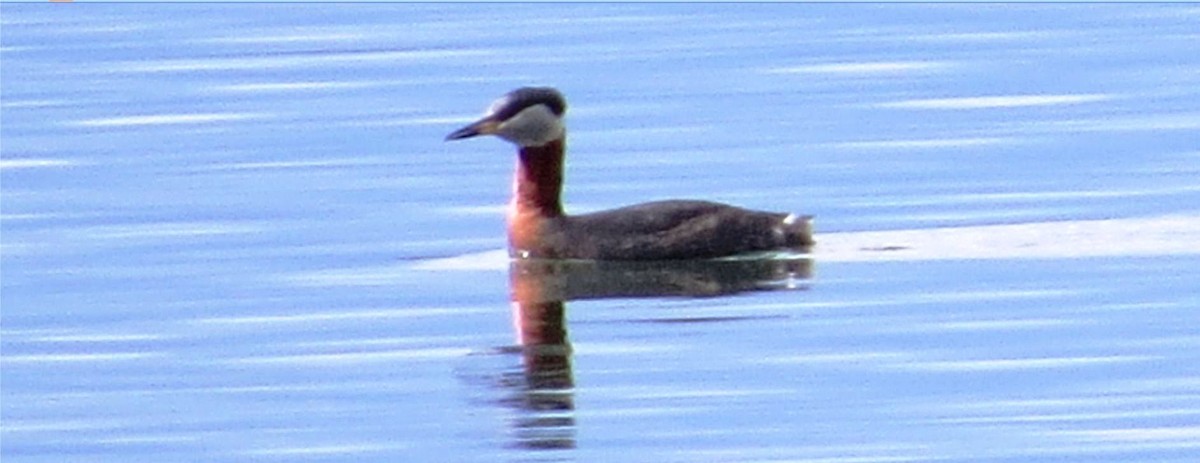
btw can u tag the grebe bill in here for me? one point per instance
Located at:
(538, 227)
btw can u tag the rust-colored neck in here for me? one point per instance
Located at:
(537, 187)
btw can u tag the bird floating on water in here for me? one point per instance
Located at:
(538, 227)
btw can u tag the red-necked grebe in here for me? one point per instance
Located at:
(532, 118)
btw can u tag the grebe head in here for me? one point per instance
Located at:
(527, 116)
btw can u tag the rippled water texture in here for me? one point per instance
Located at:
(233, 233)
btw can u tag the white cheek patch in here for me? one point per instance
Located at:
(533, 126)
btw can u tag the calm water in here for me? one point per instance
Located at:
(217, 223)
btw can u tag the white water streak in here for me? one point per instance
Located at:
(989, 102)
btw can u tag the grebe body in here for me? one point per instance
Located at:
(538, 226)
